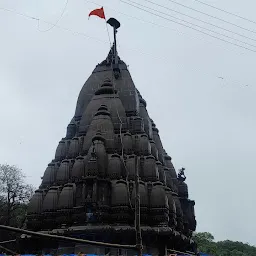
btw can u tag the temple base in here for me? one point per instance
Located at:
(155, 241)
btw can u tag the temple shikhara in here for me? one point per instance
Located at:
(88, 189)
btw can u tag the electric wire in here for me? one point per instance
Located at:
(246, 48)
(58, 20)
(212, 16)
(205, 22)
(108, 35)
(56, 23)
(18, 13)
(184, 253)
(212, 31)
(142, 20)
(75, 33)
(161, 26)
(139, 51)
(227, 12)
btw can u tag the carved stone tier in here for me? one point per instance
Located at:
(90, 182)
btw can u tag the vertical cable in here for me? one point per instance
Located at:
(108, 34)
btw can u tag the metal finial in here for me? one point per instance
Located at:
(115, 24)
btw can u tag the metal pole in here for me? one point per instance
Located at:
(137, 209)
(8, 250)
(65, 238)
(9, 241)
(115, 47)
(115, 24)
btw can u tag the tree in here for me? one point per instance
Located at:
(231, 248)
(206, 244)
(14, 194)
(203, 237)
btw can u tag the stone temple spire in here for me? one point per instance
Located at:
(88, 189)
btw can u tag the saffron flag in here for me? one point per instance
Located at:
(98, 12)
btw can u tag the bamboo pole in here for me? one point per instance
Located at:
(7, 250)
(64, 238)
(137, 209)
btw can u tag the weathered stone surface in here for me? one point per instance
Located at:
(91, 179)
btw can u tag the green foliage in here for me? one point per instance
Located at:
(206, 244)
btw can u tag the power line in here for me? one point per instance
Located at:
(166, 27)
(212, 16)
(139, 51)
(185, 253)
(222, 10)
(50, 23)
(212, 31)
(58, 20)
(142, 20)
(19, 13)
(246, 48)
(205, 22)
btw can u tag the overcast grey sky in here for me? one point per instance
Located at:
(207, 124)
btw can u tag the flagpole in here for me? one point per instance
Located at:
(108, 33)
(101, 14)
(115, 24)
(115, 47)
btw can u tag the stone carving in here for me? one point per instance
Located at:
(91, 179)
